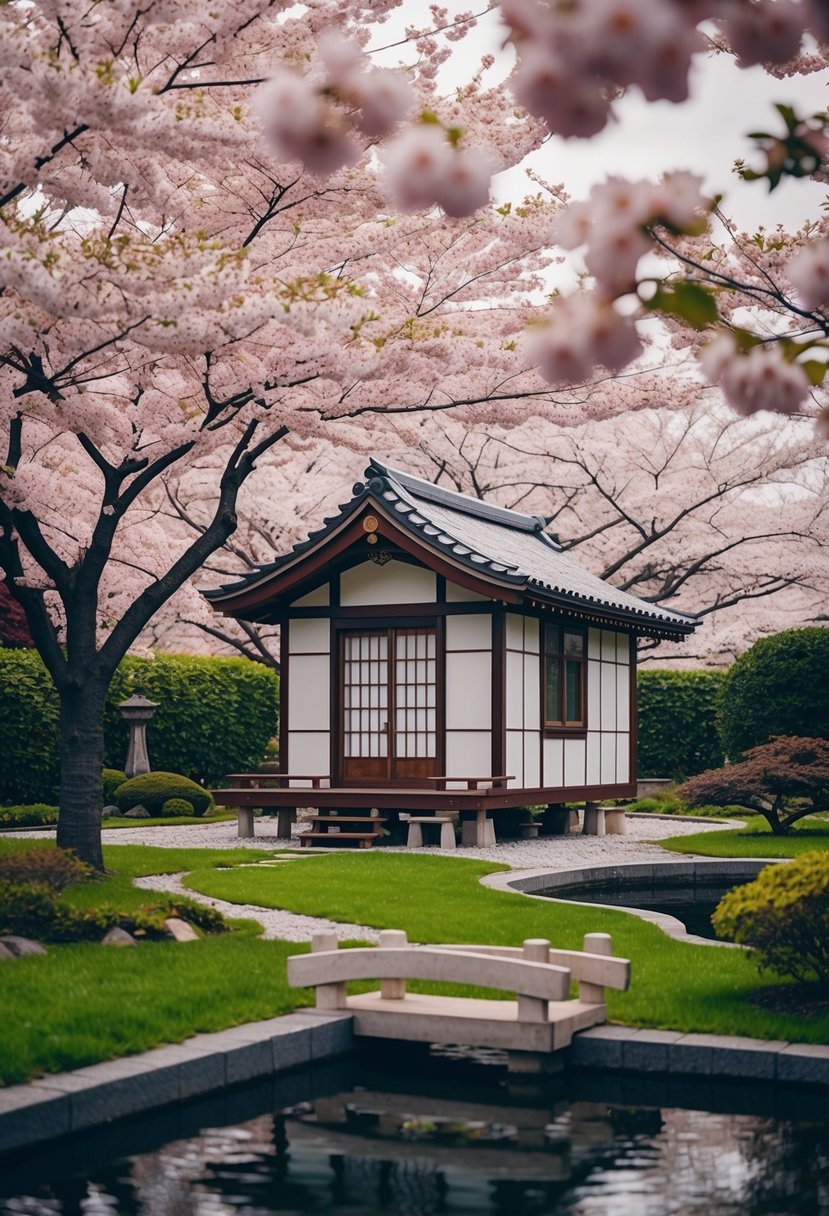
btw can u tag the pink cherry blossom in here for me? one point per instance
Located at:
(765, 31)
(583, 330)
(571, 106)
(764, 380)
(415, 163)
(464, 187)
(384, 98)
(808, 273)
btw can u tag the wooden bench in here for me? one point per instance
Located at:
(542, 1019)
(417, 823)
(328, 830)
(246, 782)
(603, 820)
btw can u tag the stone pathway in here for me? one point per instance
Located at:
(555, 853)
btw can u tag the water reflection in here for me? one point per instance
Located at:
(467, 1144)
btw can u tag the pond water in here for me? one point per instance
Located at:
(364, 1139)
(691, 903)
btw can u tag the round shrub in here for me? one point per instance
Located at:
(177, 807)
(677, 734)
(780, 686)
(152, 790)
(111, 778)
(784, 917)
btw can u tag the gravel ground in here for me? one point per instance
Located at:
(555, 853)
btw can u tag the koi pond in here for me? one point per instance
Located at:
(410, 1133)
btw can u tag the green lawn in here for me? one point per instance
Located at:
(754, 840)
(83, 1003)
(168, 820)
(437, 899)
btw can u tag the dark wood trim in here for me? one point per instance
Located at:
(566, 732)
(364, 621)
(499, 687)
(334, 590)
(440, 588)
(634, 713)
(426, 608)
(402, 797)
(284, 630)
(440, 693)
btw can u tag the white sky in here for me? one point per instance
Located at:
(706, 134)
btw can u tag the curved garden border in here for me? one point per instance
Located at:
(527, 882)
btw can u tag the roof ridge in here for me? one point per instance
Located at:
(456, 501)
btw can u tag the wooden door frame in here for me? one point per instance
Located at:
(369, 625)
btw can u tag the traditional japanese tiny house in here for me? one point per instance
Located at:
(428, 634)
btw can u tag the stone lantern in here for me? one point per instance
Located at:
(137, 710)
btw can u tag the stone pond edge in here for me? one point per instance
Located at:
(58, 1105)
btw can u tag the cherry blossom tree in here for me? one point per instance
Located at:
(200, 260)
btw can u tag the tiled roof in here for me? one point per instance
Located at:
(504, 545)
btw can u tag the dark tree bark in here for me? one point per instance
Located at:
(81, 761)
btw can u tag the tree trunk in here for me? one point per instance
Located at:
(81, 761)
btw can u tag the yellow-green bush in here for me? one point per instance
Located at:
(784, 917)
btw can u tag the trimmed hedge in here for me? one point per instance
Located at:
(780, 686)
(215, 716)
(678, 734)
(34, 814)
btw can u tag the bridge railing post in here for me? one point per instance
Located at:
(534, 1008)
(595, 943)
(390, 939)
(329, 996)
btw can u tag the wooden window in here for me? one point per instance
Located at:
(563, 672)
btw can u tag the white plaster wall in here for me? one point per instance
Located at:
(515, 691)
(608, 696)
(309, 753)
(469, 692)
(608, 776)
(594, 757)
(532, 759)
(394, 583)
(608, 707)
(309, 696)
(515, 758)
(469, 632)
(468, 753)
(318, 598)
(523, 701)
(574, 761)
(459, 595)
(623, 697)
(594, 686)
(554, 763)
(309, 637)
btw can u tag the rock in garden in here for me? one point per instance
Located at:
(111, 812)
(180, 930)
(5, 953)
(22, 947)
(118, 937)
(137, 812)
